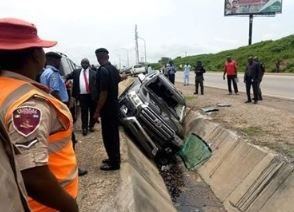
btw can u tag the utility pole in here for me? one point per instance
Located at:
(144, 48)
(250, 29)
(136, 44)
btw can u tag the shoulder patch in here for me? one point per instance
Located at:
(26, 120)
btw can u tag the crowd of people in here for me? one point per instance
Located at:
(38, 164)
(253, 75)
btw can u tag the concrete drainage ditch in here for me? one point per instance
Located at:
(243, 177)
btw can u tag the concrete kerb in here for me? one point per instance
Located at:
(243, 176)
(141, 187)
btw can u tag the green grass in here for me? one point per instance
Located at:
(269, 53)
(190, 98)
(253, 131)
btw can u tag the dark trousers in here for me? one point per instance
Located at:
(171, 78)
(232, 79)
(197, 84)
(87, 105)
(259, 91)
(254, 86)
(110, 135)
(73, 136)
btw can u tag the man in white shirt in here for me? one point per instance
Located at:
(86, 92)
(186, 71)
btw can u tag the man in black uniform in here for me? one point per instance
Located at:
(199, 71)
(251, 78)
(260, 77)
(108, 109)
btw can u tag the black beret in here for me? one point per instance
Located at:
(101, 50)
(53, 54)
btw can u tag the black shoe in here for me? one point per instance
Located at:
(106, 161)
(109, 167)
(91, 129)
(195, 93)
(255, 102)
(82, 172)
(85, 132)
(248, 101)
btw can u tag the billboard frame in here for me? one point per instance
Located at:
(255, 13)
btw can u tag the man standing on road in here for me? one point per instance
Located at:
(186, 71)
(52, 78)
(85, 91)
(230, 69)
(251, 78)
(199, 71)
(108, 109)
(39, 125)
(260, 77)
(171, 71)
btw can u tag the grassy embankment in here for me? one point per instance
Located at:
(269, 52)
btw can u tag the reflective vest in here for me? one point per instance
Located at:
(62, 160)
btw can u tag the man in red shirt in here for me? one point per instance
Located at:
(230, 70)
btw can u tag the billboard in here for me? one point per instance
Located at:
(258, 7)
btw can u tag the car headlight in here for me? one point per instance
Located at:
(135, 99)
(124, 109)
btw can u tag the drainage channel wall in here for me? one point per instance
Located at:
(243, 176)
(141, 187)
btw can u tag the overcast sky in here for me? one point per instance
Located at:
(170, 27)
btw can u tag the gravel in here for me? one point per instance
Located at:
(270, 123)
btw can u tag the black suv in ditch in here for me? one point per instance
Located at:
(152, 111)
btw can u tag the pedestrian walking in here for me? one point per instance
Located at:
(86, 92)
(230, 69)
(186, 72)
(39, 125)
(251, 78)
(108, 109)
(199, 78)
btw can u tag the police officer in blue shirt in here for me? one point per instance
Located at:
(52, 79)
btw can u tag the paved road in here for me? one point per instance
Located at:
(275, 85)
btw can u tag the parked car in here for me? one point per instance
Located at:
(138, 69)
(152, 111)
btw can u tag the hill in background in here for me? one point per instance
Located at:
(269, 52)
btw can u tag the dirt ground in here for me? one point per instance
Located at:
(270, 123)
(97, 188)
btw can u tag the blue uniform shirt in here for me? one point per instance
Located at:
(53, 80)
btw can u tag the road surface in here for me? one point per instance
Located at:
(275, 85)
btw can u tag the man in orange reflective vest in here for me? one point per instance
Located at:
(39, 125)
